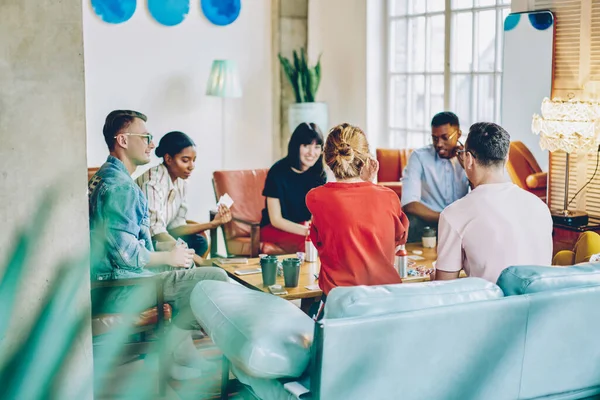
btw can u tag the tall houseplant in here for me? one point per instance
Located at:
(305, 80)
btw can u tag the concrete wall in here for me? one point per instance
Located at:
(42, 127)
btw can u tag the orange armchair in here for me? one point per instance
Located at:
(242, 234)
(391, 165)
(524, 170)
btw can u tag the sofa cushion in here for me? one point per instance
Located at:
(384, 299)
(525, 279)
(263, 335)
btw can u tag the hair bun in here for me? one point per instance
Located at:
(159, 151)
(345, 152)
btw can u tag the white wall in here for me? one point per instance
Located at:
(162, 72)
(337, 29)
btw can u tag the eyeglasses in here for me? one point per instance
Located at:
(148, 136)
(436, 139)
(461, 153)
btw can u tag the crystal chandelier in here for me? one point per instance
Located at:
(571, 125)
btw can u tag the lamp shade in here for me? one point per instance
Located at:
(571, 126)
(224, 80)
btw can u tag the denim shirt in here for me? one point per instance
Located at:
(119, 225)
(434, 181)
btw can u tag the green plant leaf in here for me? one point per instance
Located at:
(291, 74)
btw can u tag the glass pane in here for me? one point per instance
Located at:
(397, 7)
(436, 95)
(461, 4)
(436, 36)
(460, 99)
(462, 42)
(498, 117)
(397, 139)
(484, 3)
(416, 6)
(416, 40)
(504, 2)
(398, 96)
(486, 99)
(398, 48)
(417, 139)
(416, 102)
(500, 37)
(436, 5)
(486, 40)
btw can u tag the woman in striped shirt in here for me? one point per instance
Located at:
(165, 188)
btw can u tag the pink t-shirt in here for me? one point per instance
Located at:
(492, 228)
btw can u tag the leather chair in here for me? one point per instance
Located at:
(92, 171)
(524, 170)
(242, 234)
(391, 166)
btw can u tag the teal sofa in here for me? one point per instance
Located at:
(534, 335)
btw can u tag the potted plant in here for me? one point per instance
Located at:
(305, 82)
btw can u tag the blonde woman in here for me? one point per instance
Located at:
(356, 224)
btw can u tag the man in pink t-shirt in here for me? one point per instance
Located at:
(497, 224)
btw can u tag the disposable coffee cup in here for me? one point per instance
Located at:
(291, 272)
(268, 266)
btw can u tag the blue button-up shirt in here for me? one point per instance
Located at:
(434, 181)
(119, 224)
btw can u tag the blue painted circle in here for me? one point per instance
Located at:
(114, 11)
(221, 12)
(511, 21)
(170, 12)
(541, 20)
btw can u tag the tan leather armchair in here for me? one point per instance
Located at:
(391, 165)
(242, 234)
(524, 170)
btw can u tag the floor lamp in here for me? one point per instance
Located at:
(223, 82)
(573, 127)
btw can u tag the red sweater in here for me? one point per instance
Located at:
(356, 227)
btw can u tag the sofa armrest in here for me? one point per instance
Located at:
(142, 281)
(263, 335)
(539, 180)
(147, 280)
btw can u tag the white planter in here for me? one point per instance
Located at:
(308, 112)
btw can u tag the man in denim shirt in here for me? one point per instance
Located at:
(121, 245)
(433, 178)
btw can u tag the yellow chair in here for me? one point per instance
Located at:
(587, 245)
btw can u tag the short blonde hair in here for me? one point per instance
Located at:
(346, 151)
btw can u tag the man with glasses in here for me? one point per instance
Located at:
(121, 246)
(498, 224)
(433, 178)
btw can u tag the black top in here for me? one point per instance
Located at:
(290, 188)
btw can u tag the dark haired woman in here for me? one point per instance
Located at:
(165, 188)
(284, 219)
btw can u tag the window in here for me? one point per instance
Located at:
(442, 59)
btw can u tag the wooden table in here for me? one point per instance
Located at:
(309, 273)
(308, 276)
